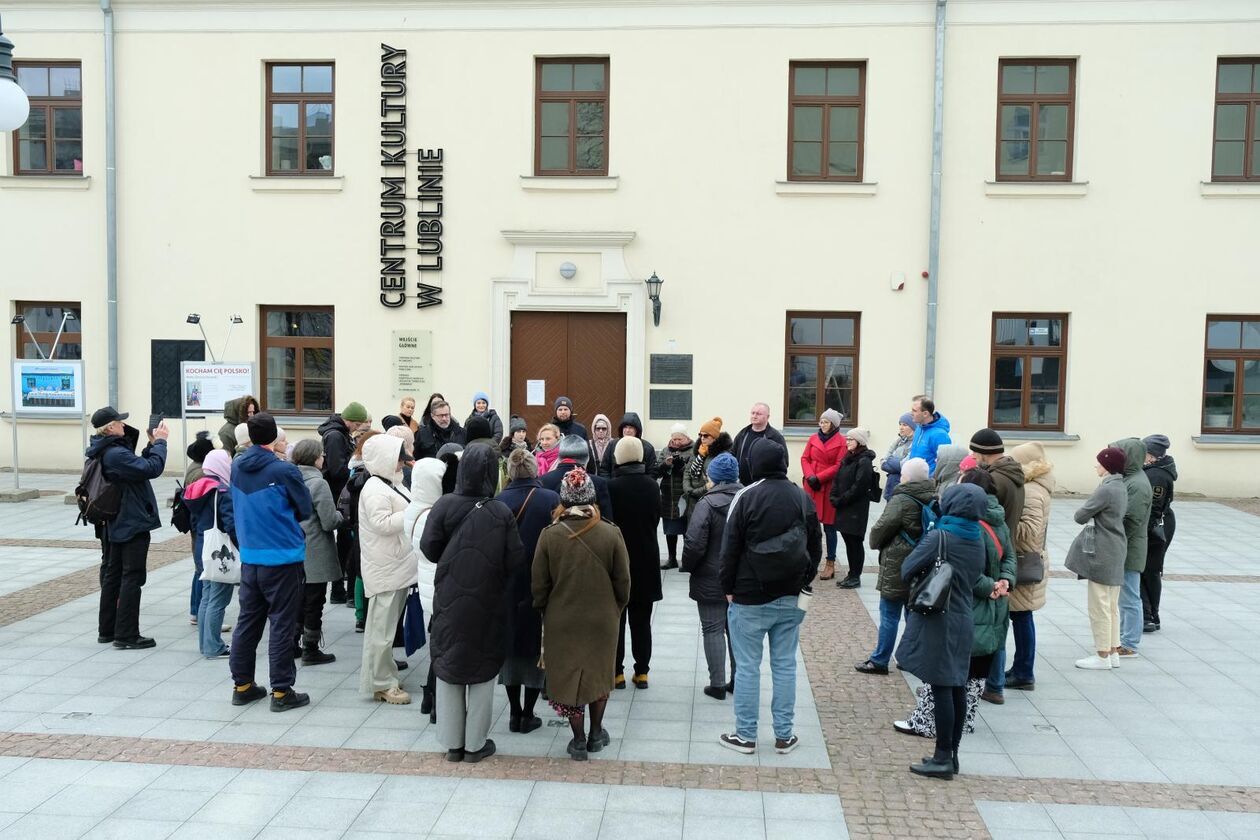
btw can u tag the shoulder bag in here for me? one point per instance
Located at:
(929, 595)
(220, 560)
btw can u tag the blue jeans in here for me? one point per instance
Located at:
(889, 619)
(1131, 610)
(215, 598)
(1025, 632)
(195, 601)
(829, 531)
(749, 625)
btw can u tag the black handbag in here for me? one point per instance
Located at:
(929, 595)
(1157, 530)
(1028, 568)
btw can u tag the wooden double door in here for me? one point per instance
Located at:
(579, 355)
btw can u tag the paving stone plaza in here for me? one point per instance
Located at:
(97, 742)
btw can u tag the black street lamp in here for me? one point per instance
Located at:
(654, 284)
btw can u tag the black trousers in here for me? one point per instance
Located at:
(640, 618)
(951, 715)
(313, 595)
(855, 553)
(268, 593)
(1153, 575)
(123, 573)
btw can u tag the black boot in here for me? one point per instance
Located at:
(933, 767)
(311, 654)
(426, 700)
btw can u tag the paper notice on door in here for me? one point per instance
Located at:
(535, 392)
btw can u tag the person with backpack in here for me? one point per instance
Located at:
(771, 550)
(115, 490)
(702, 560)
(209, 502)
(197, 452)
(856, 485)
(909, 515)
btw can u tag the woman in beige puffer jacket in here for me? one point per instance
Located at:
(1030, 535)
(387, 565)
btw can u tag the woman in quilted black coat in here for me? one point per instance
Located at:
(851, 497)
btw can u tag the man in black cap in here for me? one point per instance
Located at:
(123, 570)
(1007, 474)
(565, 421)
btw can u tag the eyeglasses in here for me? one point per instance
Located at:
(601, 428)
(703, 435)
(437, 416)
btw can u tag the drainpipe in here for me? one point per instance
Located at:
(111, 210)
(934, 225)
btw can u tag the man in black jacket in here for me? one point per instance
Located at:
(336, 433)
(630, 426)
(123, 571)
(758, 428)
(565, 421)
(1162, 472)
(438, 430)
(771, 549)
(573, 453)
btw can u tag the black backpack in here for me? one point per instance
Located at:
(180, 517)
(98, 498)
(874, 493)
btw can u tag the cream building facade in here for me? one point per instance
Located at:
(777, 205)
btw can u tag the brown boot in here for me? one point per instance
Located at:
(828, 570)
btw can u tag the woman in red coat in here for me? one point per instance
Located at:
(819, 462)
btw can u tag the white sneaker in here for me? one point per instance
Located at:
(1094, 662)
(1115, 659)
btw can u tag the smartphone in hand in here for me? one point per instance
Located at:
(155, 420)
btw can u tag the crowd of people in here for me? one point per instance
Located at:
(526, 561)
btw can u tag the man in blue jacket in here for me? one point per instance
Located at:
(932, 433)
(270, 500)
(123, 570)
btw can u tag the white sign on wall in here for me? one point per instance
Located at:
(48, 388)
(205, 387)
(413, 363)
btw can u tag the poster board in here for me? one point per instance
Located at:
(412, 368)
(48, 389)
(205, 387)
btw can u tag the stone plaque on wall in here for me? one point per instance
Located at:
(669, 404)
(671, 368)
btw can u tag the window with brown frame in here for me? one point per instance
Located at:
(1231, 375)
(299, 119)
(1036, 119)
(44, 320)
(51, 140)
(1236, 128)
(826, 120)
(571, 116)
(1028, 372)
(821, 364)
(297, 359)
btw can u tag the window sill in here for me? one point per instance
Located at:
(1229, 189)
(1036, 189)
(1050, 438)
(806, 432)
(296, 183)
(795, 188)
(570, 183)
(45, 182)
(300, 421)
(1226, 441)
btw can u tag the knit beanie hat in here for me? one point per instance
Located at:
(481, 395)
(833, 417)
(200, 448)
(355, 413)
(968, 463)
(262, 429)
(516, 424)
(914, 469)
(563, 401)
(860, 436)
(242, 434)
(389, 421)
(1112, 460)
(987, 442)
(573, 448)
(724, 469)
(907, 419)
(478, 427)
(629, 451)
(712, 428)
(576, 488)
(1157, 445)
(678, 429)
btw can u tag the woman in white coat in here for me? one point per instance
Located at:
(426, 488)
(388, 565)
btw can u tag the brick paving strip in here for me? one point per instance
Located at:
(881, 799)
(33, 600)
